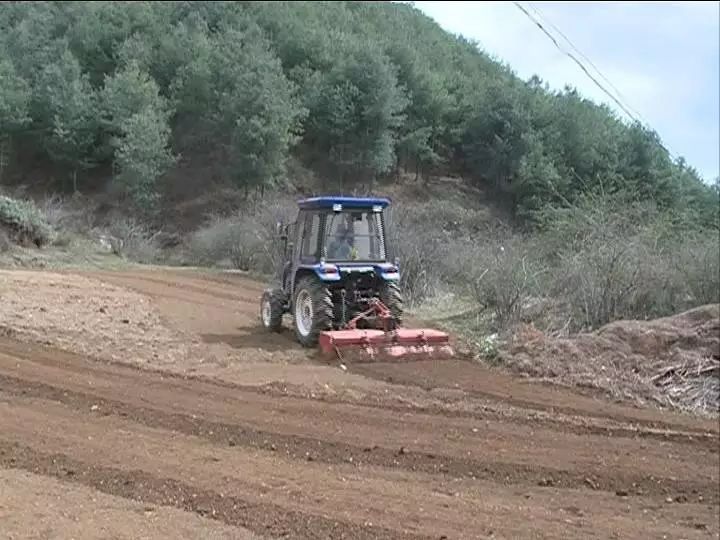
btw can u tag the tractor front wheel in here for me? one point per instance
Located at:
(271, 310)
(312, 310)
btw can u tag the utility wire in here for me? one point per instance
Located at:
(581, 55)
(580, 64)
(572, 57)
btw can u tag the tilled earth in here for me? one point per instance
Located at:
(245, 435)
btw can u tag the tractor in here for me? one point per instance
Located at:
(338, 283)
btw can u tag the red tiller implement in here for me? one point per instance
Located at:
(384, 342)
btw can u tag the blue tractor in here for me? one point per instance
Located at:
(338, 282)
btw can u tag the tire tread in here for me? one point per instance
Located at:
(322, 309)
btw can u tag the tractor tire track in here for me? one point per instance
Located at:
(266, 519)
(203, 410)
(308, 499)
(479, 382)
(118, 374)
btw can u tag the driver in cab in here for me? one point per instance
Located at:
(341, 248)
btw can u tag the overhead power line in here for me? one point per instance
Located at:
(624, 108)
(581, 55)
(552, 38)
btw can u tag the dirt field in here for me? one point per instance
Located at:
(149, 404)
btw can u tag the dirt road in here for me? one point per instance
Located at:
(250, 436)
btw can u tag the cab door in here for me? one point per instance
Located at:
(306, 243)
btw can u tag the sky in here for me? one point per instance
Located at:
(663, 58)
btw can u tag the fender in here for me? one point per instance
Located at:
(325, 272)
(388, 272)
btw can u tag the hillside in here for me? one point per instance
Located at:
(156, 101)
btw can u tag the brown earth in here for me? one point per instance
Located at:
(36, 506)
(149, 404)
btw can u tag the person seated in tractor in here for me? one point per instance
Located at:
(341, 247)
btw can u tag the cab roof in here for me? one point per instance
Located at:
(346, 202)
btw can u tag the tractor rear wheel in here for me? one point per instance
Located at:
(312, 310)
(392, 298)
(271, 309)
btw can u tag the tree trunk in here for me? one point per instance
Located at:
(74, 179)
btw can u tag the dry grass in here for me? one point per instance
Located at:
(437, 243)
(672, 362)
(692, 385)
(131, 239)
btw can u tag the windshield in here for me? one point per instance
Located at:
(354, 236)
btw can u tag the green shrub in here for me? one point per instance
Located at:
(24, 223)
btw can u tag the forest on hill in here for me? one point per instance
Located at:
(120, 94)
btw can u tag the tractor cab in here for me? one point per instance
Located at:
(336, 235)
(341, 229)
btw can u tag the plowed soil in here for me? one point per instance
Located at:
(149, 404)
